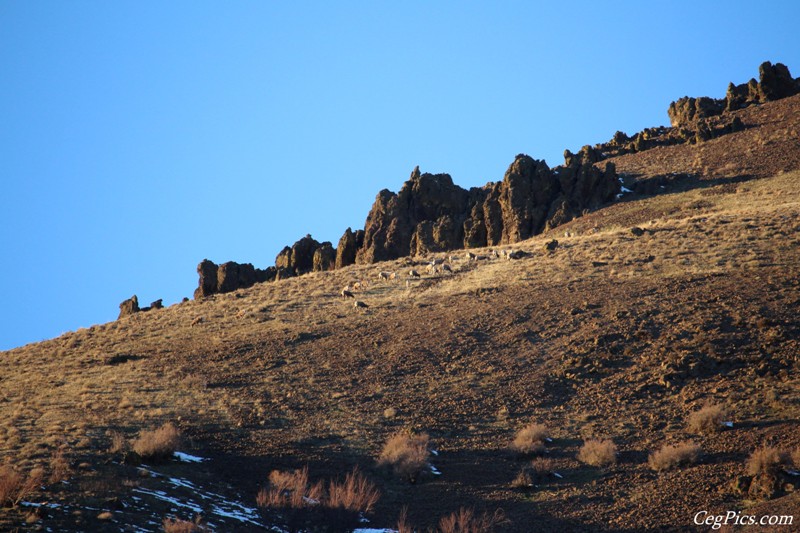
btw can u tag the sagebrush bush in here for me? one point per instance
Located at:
(407, 454)
(466, 521)
(159, 443)
(764, 460)
(14, 487)
(708, 419)
(598, 452)
(356, 493)
(523, 481)
(674, 455)
(530, 439)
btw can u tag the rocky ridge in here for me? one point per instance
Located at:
(432, 214)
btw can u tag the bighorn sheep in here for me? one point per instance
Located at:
(413, 274)
(470, 256)
(358, 304)
(347, 294)
(384, 276)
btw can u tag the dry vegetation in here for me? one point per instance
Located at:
(157, 444)
(597, 452)
(406, 453)
(674, 455)
(530, 439)
(765, 460)
(610, 334)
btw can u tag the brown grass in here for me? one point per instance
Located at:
(598, 452)
(709, 419)
(764, 460)
(158, 444)
(176, 525)
(466, 521)
(356, 493)
(530, 439)
(59, 467)
(674, 455)
(796, 457)
(290, 490)
(406, 453)
(14, 487)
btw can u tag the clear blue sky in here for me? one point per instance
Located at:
(137, 138)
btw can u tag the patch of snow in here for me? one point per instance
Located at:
(434, 452)
(186, 458)
(793, 472)
(434, 471)
(559, 476)
(728, 424)
(371, 530)
(548, 439)
(159, 495)
(625, 190)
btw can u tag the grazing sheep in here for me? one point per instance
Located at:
(358, 285)
(470, 256)
(384, 276)
(413, 274)
(347, 294)
(493, 254)
(446, 268)
(358, 304)
(432, 269)
(393, 276)
(435, 262)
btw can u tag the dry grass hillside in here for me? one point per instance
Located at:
(680, 336)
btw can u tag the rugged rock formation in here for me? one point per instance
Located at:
(129, 307)
(775, 83)
(431, 214)
(324, 257)
(228, 277)
(348, 246)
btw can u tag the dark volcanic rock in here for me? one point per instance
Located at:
(349, 244)
(129, 306)
(207, 270)
(324, 257)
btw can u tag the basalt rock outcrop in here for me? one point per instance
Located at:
(228, 277)
(131, 306)
(349, 244)
(431, 214)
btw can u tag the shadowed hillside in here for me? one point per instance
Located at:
(666, 318)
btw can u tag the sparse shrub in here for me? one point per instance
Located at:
(466, 521)
(708, 419)
(59, 467)
(357, 493)
(671, 456)
(764, 460)
(530, 439)
(118, 443)
(406, 453)
(14, 487)
(598, 452)
(158, 444)
(289, 489)
(796, 457)
(303, 503)
(523, 481)
(176, 525)
(543, 466)
(402, 522)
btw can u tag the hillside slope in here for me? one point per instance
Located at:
(613, 334)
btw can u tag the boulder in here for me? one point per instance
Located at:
(776, 82)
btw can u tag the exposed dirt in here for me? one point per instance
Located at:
(612, 335)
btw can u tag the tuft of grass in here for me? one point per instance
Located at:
(709, 419)
(672, 456)
(118, 443)
(14, 487)
(158, 444)
(406, 453)
(523, 481)
(530, 439)
(176, 525)
(59, 467)
(291, 490)
(764, 460)
(466, 521)
(356, 493)
(796, 457)
(597, 452)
